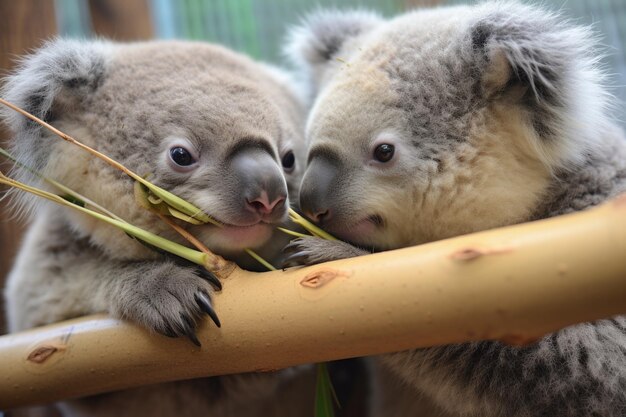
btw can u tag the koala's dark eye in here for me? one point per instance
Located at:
(181, 156)
(289, 161)
(384, 152)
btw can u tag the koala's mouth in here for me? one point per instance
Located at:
(359, 232)
(244, 225)
(233, 238)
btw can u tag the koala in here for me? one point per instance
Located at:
(211, 126)
(453, 120)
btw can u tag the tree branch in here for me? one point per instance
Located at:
(512, 284)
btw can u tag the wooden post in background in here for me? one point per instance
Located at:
(121, 20)
(25, 25)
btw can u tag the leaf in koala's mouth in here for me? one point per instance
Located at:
(147, 200)
(150, 202)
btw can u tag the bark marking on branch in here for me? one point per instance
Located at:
(43, 353)
(469, 254)
(318, 279)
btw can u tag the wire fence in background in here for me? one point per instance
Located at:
(258, 27)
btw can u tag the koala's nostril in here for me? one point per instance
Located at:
(263, 205)
(319, 216)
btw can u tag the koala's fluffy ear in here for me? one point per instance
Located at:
(322, 35)
(52, 81)
(544, 62)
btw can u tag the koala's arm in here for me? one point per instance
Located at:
(311, 250)
(59, 275)
(578, 371)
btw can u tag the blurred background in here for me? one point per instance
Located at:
(256, 27)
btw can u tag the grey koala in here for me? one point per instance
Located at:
(211, 126)
(448, 121)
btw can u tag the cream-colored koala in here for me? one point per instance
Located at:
(447, 121)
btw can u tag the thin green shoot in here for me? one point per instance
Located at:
(191, 255)
(310, 227)
(172, 200)
(152, 203)
(259, 259)
(292, 232)
(68, 191)
(324, 393)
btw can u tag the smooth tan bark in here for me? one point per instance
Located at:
(512, 284)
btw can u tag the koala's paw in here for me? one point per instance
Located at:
(311, 250)
(168, 298)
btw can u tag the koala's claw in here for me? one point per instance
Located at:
(205, 304)
(189, 329)
(291, 246)
(297, 258)
(209, 277)
(169, 332)
(311, 250)
(165, 297)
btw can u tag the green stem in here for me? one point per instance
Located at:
(262, 261)
(310, 227)
(292, 232)
(324, 393)
(148, 237)
(62, 187)
(171, 199)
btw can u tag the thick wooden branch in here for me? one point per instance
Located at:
(512, 284)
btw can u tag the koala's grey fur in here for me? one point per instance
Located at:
(499, 115)
(132, 102)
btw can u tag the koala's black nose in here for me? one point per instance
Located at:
(264, 204)
(317, 189)
(261, 183)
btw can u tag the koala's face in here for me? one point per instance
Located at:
(206, 124)
(210, 127)
(425, 127)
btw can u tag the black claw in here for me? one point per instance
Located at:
(169, 332)
(292, 246)
(210, 277)
(288, 264)
(189, 330)
(298, 258)
(205, 304)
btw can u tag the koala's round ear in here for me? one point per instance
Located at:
(322, 35)
(525, 48)
(547, 65)
(54, 79)
(51, 82)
